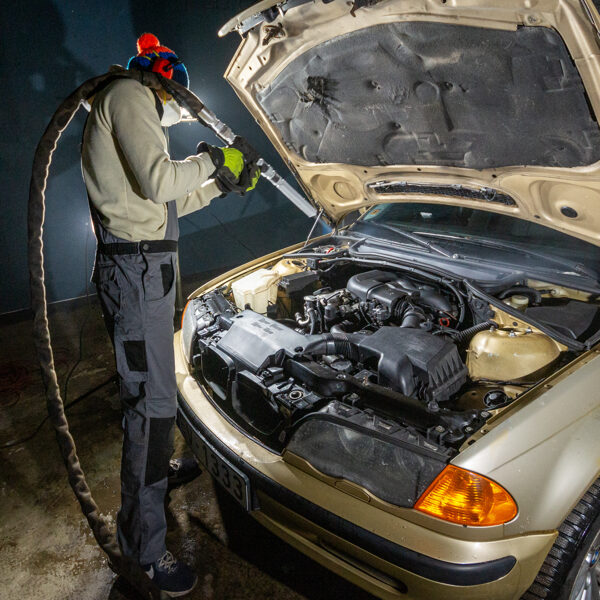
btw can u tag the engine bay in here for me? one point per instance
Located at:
(397, 353)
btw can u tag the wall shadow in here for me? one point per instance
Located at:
(38, 71)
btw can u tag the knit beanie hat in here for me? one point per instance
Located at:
(152, 56)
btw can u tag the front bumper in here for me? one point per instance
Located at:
(386, 555)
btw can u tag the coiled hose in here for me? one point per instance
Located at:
(105, 538)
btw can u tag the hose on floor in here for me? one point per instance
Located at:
(103, 534)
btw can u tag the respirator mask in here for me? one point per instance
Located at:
(171, 113)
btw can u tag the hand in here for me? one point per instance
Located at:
(231, 177)
(247, 181)
(250, 154)
(224, 158)
(253, 175)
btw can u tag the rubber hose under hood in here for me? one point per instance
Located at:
(345, 344)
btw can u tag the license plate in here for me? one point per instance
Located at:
(228, 476)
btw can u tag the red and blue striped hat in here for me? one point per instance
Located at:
(152, 56)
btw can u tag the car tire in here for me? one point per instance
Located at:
(572, 564)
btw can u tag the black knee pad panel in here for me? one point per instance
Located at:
(160, 448)
(135, 353)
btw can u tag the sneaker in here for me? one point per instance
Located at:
(171, 576)
(182, 470)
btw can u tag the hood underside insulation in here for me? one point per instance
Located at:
(436, 94)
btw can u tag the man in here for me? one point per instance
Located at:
(136, 193)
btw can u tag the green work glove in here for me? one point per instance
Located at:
(233, 160)
(229, 158)
(251, 173)
(254, 173)
(247, 181)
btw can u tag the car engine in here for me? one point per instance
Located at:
(400, 352)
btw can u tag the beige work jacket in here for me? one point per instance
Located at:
(127, 169)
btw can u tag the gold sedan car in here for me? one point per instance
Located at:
(413, 400)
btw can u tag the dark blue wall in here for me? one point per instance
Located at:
(49, 48)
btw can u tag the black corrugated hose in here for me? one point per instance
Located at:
(466, 334)
(122, 565)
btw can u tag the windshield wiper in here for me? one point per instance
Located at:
(417, 239)
(574, 267)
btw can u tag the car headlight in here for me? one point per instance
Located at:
(395, 471)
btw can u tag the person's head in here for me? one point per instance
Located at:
(152, 56)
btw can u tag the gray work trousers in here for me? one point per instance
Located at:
(137, 294)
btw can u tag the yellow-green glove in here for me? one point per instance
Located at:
(230, 158)
(254, 177)
(233, 160)
(247, 181)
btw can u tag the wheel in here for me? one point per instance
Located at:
(571, 570)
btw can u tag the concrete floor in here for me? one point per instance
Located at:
(46, 549)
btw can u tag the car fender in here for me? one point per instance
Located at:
(545, 451)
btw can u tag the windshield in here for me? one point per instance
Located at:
(465, 230)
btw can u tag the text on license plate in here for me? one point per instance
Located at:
(233, 480)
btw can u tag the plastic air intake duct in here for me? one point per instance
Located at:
(410, 361)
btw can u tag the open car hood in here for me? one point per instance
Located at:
(489, 105)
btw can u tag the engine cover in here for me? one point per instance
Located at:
(387, 289)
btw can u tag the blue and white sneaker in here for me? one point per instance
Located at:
(171, 576)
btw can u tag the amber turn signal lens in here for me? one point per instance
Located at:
(467, 498)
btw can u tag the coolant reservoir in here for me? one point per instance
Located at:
(509, 354)
(259, 288)
(519, 302)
